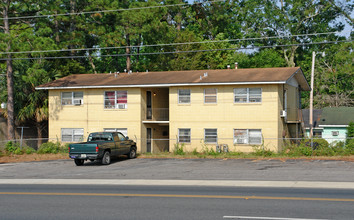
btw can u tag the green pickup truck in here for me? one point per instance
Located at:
(102, 146)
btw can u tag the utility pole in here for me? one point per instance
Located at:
(311, 94)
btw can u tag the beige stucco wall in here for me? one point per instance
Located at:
(226, 116)
(92, 116)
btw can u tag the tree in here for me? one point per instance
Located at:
(335, 77)
(294, 18)
(267, 58)
(350, 136)
(35, 108)
(21, 35)
(6, 7)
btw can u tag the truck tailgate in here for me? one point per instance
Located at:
(83, 148)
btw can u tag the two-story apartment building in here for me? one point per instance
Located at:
(237, 107)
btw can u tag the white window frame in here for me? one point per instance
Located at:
(210, 136)
(76, 134)
(124, 131)
(181, 97)
(248, 97)
(73, 100)
(247, 136)
(209, 95)
(188, 136)
(116, 104)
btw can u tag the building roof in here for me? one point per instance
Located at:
(179, 78)
(335, 116)
(315, 119)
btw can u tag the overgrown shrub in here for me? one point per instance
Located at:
(209, 152)
(51, 148)
(260, 150)
(320, 147)
(350, 131)
(179, 149)
(206, 151)
(13, 148)
(350, 146)
(297, 149)
(319, 143)
(195, 151)
(28, 150)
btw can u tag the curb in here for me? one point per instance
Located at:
(209, 183)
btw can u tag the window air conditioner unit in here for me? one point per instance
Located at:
(77, 101)
(121, 106)
(335, 133)
(240, 141)
(283, 113)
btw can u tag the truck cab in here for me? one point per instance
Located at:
(101, 146)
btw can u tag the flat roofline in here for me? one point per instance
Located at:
(160, 85)
(334, 126)
(314, 128)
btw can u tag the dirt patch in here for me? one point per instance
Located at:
(39, 157)
(32, 157)
(349, 158)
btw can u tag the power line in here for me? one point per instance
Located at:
(108, 11)
(174, 52)
(175, 44)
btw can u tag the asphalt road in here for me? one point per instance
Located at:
(172, 202)
(178, 189)
(185, 169)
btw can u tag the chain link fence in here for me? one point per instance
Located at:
(198, 144)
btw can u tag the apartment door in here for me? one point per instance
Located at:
(148, 140)
(148, 105)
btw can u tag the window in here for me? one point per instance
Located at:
(247, 136)
(317, 134)
(184, 96)
(124, 131)
(99, 137)
(210, 135)
(121, 137)
(247, 95)
(335, 133)
(210, 95)
(184, 135)
(115, 99)
(72, 134)
(72, 98)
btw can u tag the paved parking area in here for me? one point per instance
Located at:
(185, 169)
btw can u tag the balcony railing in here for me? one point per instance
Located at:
(156, 114)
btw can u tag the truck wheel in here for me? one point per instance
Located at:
(106, 158)
(132, 153)
(79, 162)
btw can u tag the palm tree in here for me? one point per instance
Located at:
(34, 107)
